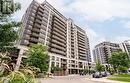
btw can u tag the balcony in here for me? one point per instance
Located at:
(41, 10)
(59, 43)
(38, 21)
(82, 55)
(56, 26)
(45, 15)
(42, 36)
(35, 34)
(25, 42)
(39, 17)
(37, 25)
(33, 39)
(82, 46)
(59, 35)
(55, 22)
(81, 38)
(27, 31)
(29, 27)
(43, 31)
(80, 34)
(26, 37)
(34, 7)
(36, 30)
(84, 52)
(39, 13)
(82, 58)
(81, 43)
(33, 10)
(59, 47)
(41, 40)
(59, 39)
(42, 7)
(31, 18)
(30, 22)
(60, 21)
(58, 51)
(57, 30)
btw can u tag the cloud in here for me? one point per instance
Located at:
(91, 10)
(126, 24)
(120, 39)
(102, 10)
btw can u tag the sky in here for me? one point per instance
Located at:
(103, 20)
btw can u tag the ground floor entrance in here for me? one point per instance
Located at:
(73, 71)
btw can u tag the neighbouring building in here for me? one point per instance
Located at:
(125, 46)
(104, 50)
(68, 44)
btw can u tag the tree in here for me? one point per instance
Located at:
(8, 35)
(119, 59)
(37, 56)
(56, 69)
(4, 15)
(122, 69)
(99, 66)
(8, 29)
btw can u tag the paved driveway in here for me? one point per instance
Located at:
(68, 79)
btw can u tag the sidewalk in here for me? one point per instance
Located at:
(104, 80)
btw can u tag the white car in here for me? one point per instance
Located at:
(128, 71)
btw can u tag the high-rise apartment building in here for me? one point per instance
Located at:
(125, 46)
(68, 44)
(104, 50)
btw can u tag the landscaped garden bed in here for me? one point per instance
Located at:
(120, 77)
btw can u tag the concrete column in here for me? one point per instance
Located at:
(49, 69)
(78, 71)
(47, 26)
(19, 59)
(59, 62)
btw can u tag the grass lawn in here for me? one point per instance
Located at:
(120, 77)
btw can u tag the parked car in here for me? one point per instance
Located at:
(108, 74)
(97, 75)
(104, 74)
(128, 71)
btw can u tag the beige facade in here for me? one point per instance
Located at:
(68, 44)
(104, 50)
(125, 46)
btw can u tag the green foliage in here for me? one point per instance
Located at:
(120, 77)
(23, 76)
(8, 35)
(8, 30)
(122, 69)
(4, 60)
(99, 66)
(37, 56)
(119, 59)
(86, 71)
(55, 69)
(15, 7)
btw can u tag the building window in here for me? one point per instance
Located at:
(57, 64)
(53, 58)
(52, 64)
(57, 59)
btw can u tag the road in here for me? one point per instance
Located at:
(68, 79)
